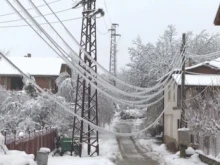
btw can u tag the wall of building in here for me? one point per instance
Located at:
(172, 115)
(43, 82)
(5, 81)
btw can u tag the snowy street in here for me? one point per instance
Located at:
(131, 152)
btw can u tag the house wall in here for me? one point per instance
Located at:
(172, 116)
(43, 82)
(5, 81)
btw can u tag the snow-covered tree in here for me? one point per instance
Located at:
(66, 87)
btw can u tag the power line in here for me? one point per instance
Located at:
(16, 20)
(87, 79)
(2, 15)
(54, 22)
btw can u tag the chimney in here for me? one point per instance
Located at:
(28, 55)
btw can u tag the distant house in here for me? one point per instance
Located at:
(197, 77)
(44, 70)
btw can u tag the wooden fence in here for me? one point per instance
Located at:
(32, 141)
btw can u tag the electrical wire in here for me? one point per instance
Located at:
(17, 20)
(2, 15)
(89, 57)
(54, 22)
(152, 95)
(82, 74)
(106, 93)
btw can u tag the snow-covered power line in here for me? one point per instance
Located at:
(64, 25)
(48, 14)
(101, 91)
(142, 101)
(82, 74)
(52, 2)
(152, 95)
(100, 66)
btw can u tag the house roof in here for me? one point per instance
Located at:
(198, 80)
(36, 66)
(214, 64)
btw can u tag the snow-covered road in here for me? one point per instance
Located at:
(131, 152)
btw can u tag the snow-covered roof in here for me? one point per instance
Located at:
(37, 66)
(198, 80)
(212, 64)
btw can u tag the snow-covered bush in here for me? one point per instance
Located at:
(29, 88)
(66, 87)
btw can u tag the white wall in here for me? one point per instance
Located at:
(171, 115)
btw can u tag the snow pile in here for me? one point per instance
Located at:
(165, 157)
(190, 151)
(17, 158)
(132, 114)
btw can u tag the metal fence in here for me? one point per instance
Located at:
(210, 145)
(31, 142)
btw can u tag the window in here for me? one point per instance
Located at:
(169, 93)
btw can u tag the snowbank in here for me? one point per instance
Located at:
(17, 158)
(160, 153)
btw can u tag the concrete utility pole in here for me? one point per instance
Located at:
(86, 103)
(113, 51)
(183, 124)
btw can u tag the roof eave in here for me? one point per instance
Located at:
(217, 18)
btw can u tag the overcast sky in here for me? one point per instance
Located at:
(146, 18)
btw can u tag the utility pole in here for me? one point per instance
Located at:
(86, 103)
(183, 121)
(183, 80)
(113, 51)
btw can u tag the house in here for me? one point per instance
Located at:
(44, 70)
(197, 77)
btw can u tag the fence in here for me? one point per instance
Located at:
(32, 141)
(210, 145)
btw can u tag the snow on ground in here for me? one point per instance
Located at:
(160, 153)
(17, 158)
